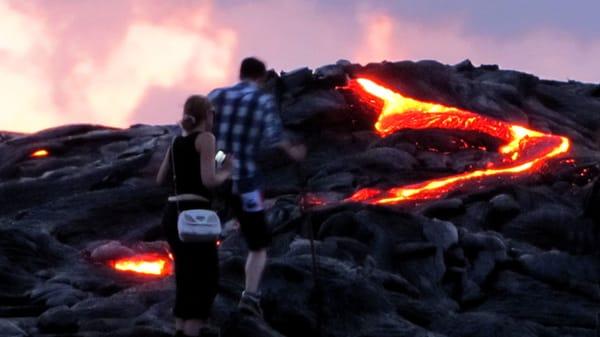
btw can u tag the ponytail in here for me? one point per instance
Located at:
(188, 122)
(195, 111)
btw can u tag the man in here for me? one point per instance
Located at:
(246, 121)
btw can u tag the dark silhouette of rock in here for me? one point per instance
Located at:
(444, 208)
(331, 75)
(503, 206)
(481, 324)
(296, 80)
(59, 319)
(441, 233)
(578, 273)
(10, 329)
(465, 65)
(110, 251)
(312, 105)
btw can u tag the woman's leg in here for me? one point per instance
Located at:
(196, 276)
(191, 327)
(178, 324)
(207, 269)
(197, 284)
(170, 230)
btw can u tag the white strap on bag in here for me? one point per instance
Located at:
(194, 225)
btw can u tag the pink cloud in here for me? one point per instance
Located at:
(377, 37)
(544, 52)
(121, 62)
(290, 34)
(74, 72)
(24, 49)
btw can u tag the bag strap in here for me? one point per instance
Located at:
(174, 174)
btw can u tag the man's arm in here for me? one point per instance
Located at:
(295, 151)
(273, 132)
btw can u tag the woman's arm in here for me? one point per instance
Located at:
(211, 177)
(165, 166)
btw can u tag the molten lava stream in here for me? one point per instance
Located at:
(40, 154)
(148, 264)
(524, 151)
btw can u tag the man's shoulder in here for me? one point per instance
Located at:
(242, 90)
(251, 93)
(237, 89)
(266, 99)
(215, 93)
(260, 94)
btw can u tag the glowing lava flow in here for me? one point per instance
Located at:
(40, 154)
(150, 264)
(524, 150)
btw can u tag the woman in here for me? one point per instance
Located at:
(196, 264)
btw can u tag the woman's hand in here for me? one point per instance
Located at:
(211, 176)
(227, 165)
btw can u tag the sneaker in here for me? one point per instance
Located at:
(250, 304)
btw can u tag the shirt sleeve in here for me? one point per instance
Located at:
(272, 126)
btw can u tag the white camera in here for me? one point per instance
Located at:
(220, 157)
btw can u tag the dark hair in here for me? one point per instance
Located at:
(252, 68)
(195, 110)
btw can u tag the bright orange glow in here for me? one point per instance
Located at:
(40, 153)
(525, 150)
(149, 264)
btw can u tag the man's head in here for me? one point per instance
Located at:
(252, 69)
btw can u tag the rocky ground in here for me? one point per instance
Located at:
(519, 257)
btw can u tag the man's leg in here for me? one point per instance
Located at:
(254, 229)
(178, 324)
(255, 265)
(251, 215)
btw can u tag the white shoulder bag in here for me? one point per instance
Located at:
(195, 225)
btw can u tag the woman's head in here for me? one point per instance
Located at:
(197, 110)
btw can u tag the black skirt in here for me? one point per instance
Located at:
(196, 267)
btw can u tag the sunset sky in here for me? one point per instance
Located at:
(120, 62)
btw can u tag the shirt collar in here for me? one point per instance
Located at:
(248, 84)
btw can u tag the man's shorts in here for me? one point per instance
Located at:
(248, 208)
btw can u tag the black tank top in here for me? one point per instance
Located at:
(187, 166)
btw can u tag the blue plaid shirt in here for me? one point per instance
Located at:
(246, 119)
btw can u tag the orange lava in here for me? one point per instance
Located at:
(149, 264)
(524, 150)
(40, 154)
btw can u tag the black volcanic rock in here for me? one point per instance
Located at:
(465, 65)
(516, 258)
(59, 319)
(314, 104)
